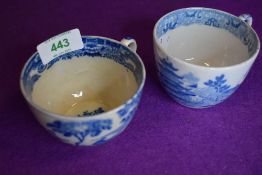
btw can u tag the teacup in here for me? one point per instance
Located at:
(203, 55)
(88, 96)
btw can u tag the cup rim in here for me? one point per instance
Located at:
(253, 56)
(93, 117)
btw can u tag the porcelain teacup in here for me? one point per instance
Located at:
(88, 96)
(203, 55)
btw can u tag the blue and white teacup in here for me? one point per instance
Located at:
(203, 55)
(88, 96)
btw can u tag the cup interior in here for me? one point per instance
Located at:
(206, 37)
(98, 78)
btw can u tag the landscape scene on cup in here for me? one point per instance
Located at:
(187, 90)
(93, 129)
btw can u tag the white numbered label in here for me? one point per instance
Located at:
(60, 44)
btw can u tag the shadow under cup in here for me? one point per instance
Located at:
(88, 96)
(203, 55)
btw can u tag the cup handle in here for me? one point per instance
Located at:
(130, 43)
(247, 18)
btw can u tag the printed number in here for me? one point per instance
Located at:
(60, 44)
(53, 47)
(66, 43)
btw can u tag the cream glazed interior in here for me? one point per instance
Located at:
(204, 45)
(84, 86)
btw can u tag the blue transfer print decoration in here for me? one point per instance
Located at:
(88, 114)
(187, 90)
(211, 17)
(212, 22)
(80, 130)
(94, 48)
(125, 115)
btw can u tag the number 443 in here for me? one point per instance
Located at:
(61, 44)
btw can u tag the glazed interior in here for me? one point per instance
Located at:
(84, 85)
(96, 79)
(206, 37)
